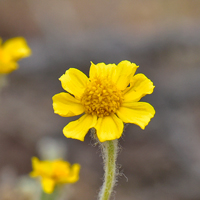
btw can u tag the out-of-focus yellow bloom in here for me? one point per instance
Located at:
(107, 98)
(10, 52)
(55, 172)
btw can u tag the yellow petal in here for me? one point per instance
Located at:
(7, 67)
(35, 163)
(79, 128)
(74, 81)
(109, 128)
(102, 70)
(74, 175)
(140, 86)
(66, 105)
(139, 113)
(16, 48)
(124, 71)
(48, 185)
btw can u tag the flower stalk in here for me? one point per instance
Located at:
(109, 152)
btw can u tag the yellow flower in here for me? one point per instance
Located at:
(10, 52)
(54, 172)
(107, 98)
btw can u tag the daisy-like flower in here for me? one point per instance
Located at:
(54, 173)
(108, 98)
(10, 52)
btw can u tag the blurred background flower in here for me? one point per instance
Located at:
(163, 37)
(54, 174)
(11, 51)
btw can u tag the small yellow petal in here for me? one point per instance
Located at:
(109, 128)
(139, 113)
(74, 81)
(139, 87)
(124, 71)
(35, 163)
(79, 128)
(74, 175)
(16, 48)
(7, 67)
(66, 105)
(48, 185)
(102, 70)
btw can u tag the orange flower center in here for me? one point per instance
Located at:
(101, 97)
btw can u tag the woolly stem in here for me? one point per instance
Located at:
(109, 151)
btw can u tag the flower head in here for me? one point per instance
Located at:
(54, 172)
(108, 98)
(10, 52)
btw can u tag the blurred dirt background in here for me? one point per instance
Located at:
(163, 37)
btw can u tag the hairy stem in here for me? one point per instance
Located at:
(109, 151)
